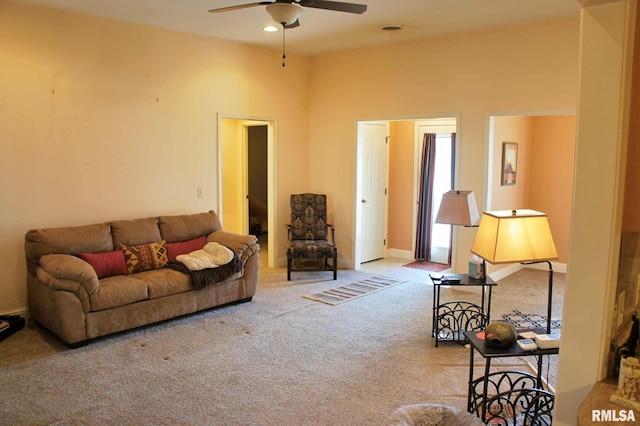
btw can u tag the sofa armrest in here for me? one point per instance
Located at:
(62, 271)
(242, 245)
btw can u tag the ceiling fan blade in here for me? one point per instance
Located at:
(335, 5)
(240, 6)
(293, 25)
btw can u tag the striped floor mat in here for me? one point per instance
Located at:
(351, 291)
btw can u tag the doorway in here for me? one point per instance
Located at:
(398, 181)
(246, 179)
(543, 178)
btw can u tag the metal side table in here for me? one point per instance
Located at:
(451, 319)
(506, 396)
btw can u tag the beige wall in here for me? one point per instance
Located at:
(516, 129)
(531, 67)
(546, 146)
(401, 182)
(103, 120)
(231, 149)
(552, 166)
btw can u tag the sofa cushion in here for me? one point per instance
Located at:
(165, 282)
(135, 232)
(118, 290)
(106, 264)
(186, 227)
(144, 257)
(69, 240)
(184, 247)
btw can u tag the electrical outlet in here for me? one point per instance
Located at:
(200, 192)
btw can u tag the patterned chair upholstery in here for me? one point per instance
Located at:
(309, 246)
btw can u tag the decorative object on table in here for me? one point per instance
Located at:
(522, 236)
(311, 239)
(509, 163)
(476, 269)
(351, 291)
(499, 335)
(628, 391)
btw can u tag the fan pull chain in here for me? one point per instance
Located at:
(284, 56)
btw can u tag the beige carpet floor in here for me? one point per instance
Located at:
(278, 360)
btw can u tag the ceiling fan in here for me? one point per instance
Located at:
(287, 12)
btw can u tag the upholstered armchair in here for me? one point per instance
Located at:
(309, 246)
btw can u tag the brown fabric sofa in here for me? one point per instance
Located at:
(67, 297)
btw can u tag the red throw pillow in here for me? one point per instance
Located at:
(184, 247)
(106, 264)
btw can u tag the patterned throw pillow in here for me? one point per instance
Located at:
(146, 256)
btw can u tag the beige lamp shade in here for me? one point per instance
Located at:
(511, 236)
(458, 208)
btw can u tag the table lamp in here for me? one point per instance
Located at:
(511, 236)
(458, 208)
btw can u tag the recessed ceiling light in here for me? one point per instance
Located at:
(270, 28)
(391, 28)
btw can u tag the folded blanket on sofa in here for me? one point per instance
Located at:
(211, 255)
(212, 264)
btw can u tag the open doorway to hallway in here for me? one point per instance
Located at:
(388, 163)
(543, 179)
(246, 179)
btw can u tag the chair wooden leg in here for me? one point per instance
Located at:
(335, 267)
(288, 269)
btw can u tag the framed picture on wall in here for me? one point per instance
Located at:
(509, 162)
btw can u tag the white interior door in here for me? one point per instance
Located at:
(374, 139)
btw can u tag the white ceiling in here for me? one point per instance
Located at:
(321, 30)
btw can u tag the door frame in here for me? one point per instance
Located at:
(272, 173)
(358, 193)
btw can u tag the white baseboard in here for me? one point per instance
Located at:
(400, 254)
(23, 312)
(515, 267)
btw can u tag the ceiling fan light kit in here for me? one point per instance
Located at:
(284, 13)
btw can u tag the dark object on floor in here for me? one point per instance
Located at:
(15, 323)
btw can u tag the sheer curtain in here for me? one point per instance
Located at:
(425, 197)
